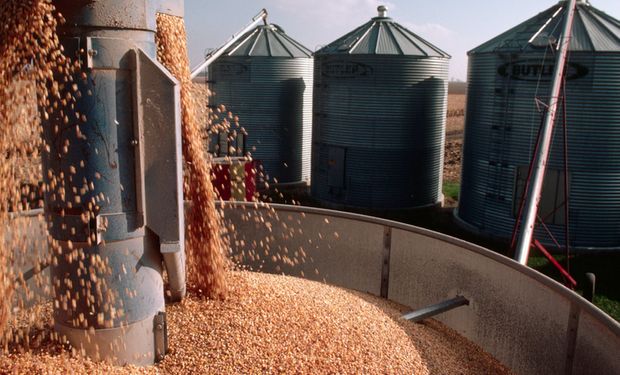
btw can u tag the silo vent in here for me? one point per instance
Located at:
(382, 9)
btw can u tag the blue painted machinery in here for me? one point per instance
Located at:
(114, 202)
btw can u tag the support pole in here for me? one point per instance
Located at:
(541, 158)
(589, 289)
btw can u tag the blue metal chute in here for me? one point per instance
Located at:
(114, 201)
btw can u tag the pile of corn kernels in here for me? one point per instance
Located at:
(277, 324)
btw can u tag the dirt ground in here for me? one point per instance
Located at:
(454, 137)
(452, 162)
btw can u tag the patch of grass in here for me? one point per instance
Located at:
(451, 190)
(610, 306)
(604, 266)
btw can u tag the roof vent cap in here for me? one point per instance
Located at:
(382, 9)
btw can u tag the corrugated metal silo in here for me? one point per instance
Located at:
(265, 78)
(506, 77)
(380, 100)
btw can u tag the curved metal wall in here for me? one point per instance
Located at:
(273, 98)
(500, 132)
(530, 323)
(527, 321)
(379, 130)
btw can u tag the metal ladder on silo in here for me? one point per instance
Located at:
(499, 137)
(499, 133)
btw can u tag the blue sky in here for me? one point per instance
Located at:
(455, 26)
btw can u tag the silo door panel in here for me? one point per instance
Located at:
(335, 166)
(553, 199)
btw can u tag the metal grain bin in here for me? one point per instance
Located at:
(380, 98)
(506, 76)
(265, 78)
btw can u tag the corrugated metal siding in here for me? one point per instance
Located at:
(388, 114)
(500, 132)
(273, 98)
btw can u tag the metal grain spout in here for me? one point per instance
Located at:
(114, 205)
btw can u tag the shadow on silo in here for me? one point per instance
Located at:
(291, 134)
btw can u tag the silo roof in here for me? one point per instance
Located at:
(382, 36)
(593, 31)
(267, 41)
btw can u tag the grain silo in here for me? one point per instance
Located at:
(380, 98)
(509, 79)
(265, 78)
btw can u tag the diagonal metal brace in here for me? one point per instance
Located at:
(430, 311)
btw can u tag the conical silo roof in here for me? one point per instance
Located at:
(267, 41)
(382, 36)
(593, 31)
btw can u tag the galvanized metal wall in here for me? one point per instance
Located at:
(500, 133)
(379, 130)
(273, 98)
(527, 321)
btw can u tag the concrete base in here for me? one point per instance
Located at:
(132, 344)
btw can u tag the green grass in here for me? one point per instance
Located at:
(451, 190)
(604, 266)
(610, 306)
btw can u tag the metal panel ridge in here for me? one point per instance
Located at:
(593, 31)
(382, 36)
(268, 40)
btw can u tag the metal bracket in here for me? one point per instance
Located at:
(571, 333)
(385, 270)
(101, 228)
(160, 330)
(113, 227)
(430, 311)
(106, 53)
